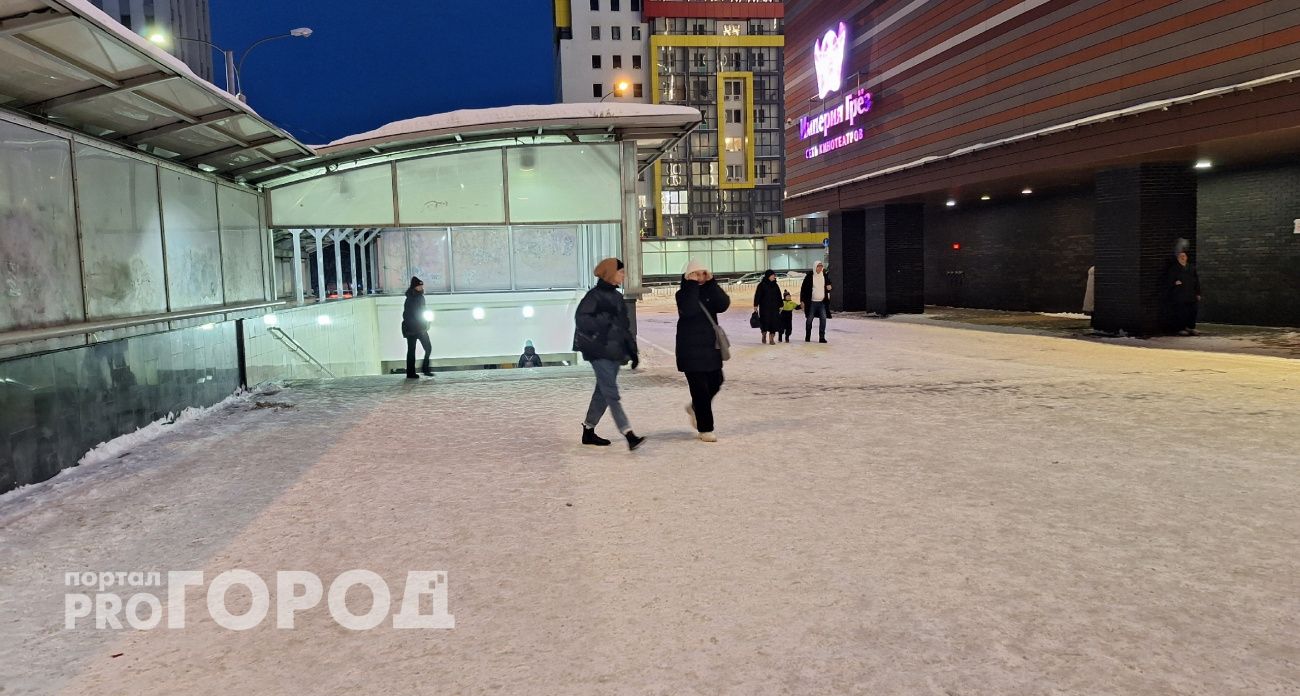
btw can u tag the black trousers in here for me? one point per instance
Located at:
(704, 386)
(423, 338)
(1185, 315)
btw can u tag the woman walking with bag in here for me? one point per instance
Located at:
(767, 300)
(701, 343)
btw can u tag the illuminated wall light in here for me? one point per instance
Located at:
(270, 320)
(956, 246)
(478, 313)
(428, 315)
(986, 197)
(1027, 191)
(324, 320)
(529, 312)
(951, 203)
(1204, 164)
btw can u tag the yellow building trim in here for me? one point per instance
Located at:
(658, 41)
(748, 182)
(563, 14)
(692, 40)
(813, 238)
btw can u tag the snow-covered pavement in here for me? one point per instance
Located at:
(910, 509)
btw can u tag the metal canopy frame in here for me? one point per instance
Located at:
(115, 70)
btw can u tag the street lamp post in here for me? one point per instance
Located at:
(233, 85)
(620, 88)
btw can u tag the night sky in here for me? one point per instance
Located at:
(370, 62)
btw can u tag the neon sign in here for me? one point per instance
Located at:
(848, 111)
(828, 57)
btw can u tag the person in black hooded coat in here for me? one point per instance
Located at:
(415, 328)
(767, 300)
(699, 302)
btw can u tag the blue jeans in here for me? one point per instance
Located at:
(606, 396)
(815, 309)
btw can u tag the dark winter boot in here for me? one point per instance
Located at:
(427, 372)
(412, 375)
(807, 336)
(633, 441)
(822, 339)
(589, 437)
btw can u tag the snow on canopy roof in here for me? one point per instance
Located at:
(100, 78)
(526, 117)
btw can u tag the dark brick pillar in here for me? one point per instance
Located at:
(848, 260)
(895, 259)
(1141, 211)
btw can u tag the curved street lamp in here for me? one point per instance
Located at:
(620, 88)
(233, 71)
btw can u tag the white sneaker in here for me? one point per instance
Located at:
(690, 413)
(708, 437)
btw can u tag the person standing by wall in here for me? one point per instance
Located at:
(699, 302)
(603, 336)
(1182, 292)
(530, 358)
(767, 300)
(815, 295)
(415, 328)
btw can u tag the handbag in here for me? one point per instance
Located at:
(723, 344)
(754, 322)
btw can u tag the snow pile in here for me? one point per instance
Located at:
(118, 446)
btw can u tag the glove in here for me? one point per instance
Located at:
(636, 360)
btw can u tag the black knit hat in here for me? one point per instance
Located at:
(415, 280)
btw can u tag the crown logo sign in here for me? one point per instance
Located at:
(828, 56)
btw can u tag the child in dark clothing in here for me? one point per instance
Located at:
(788, 308)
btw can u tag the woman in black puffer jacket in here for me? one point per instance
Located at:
(699, 302)
(603, 336)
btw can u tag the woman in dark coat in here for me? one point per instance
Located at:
(699, 302)
(1182, 292)
(767, 300)
(603, 335)
(415, 328)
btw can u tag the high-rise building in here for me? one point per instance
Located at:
(606, 43)
(723, 57)
(177, 18)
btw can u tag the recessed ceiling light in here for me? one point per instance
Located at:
(1027, 191)
(1204, 164)
(951, 203)
(986, 197)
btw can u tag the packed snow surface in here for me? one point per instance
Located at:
(909, 509)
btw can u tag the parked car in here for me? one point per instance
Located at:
(748, 278)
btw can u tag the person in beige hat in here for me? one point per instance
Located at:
(699, 355)
(604, 337)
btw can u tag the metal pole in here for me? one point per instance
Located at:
(297, 263)
(232, 81)
(338, 236)
(320, 264)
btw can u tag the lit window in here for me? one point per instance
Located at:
(735, 145)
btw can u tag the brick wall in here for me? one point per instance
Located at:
(895, 259)
(1030, 253)
(1249, 256)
